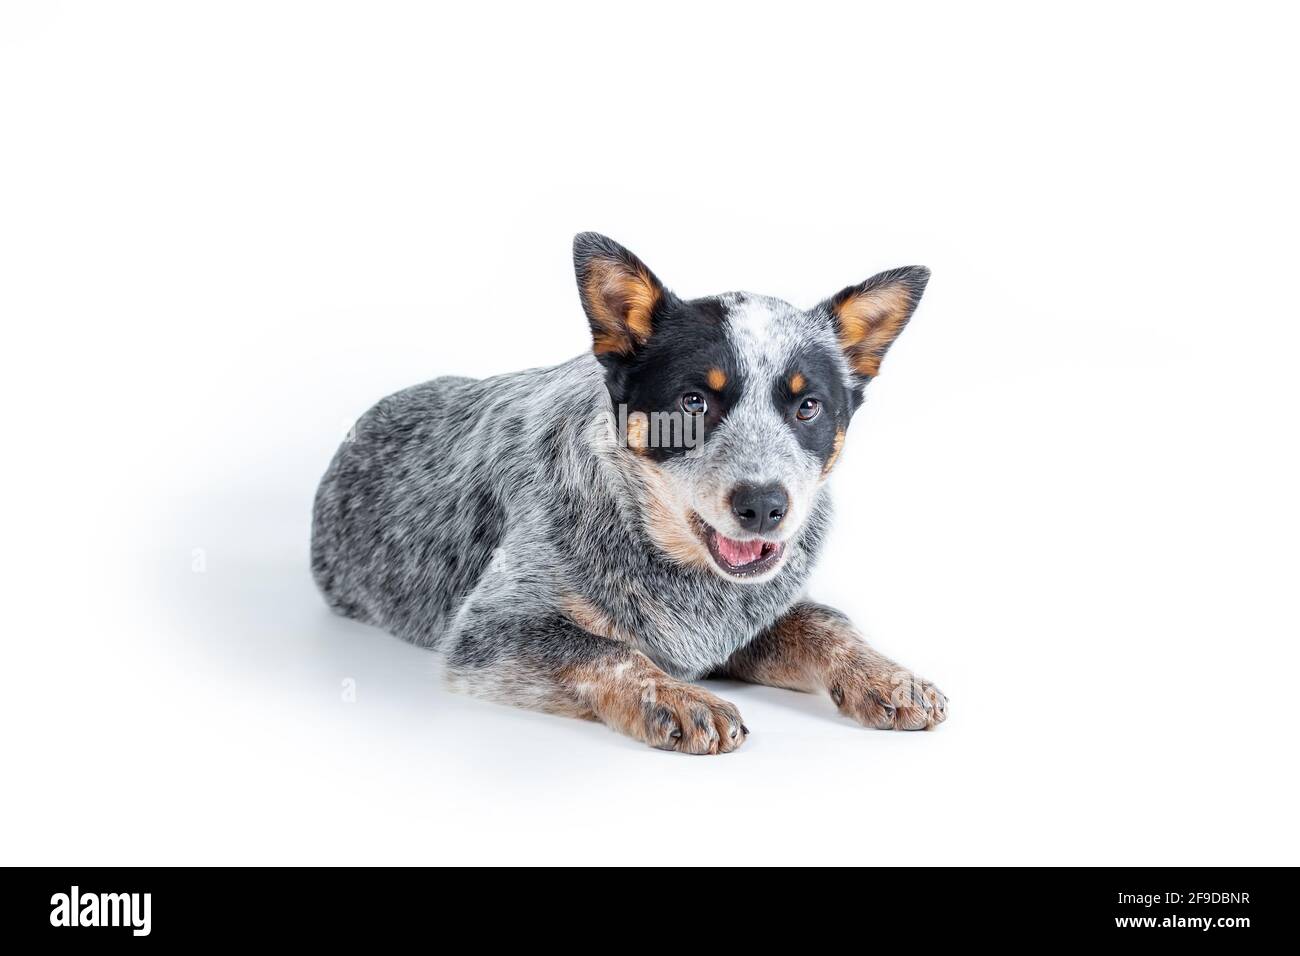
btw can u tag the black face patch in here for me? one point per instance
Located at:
(814, 374)
(689, 352)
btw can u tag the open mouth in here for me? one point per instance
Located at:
(741, 559)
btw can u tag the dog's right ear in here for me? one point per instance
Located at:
(619, 294)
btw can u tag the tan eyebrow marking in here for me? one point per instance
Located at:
(717, 379)
(797, 382)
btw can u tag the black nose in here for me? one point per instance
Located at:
(759, 508)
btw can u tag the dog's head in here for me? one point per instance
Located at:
(736, 405)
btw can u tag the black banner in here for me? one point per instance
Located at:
(1178, 907)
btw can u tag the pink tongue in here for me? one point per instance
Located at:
(737, 553)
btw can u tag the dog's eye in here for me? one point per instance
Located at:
(809, 409)
(693, 403)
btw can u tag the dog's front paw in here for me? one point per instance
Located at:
(679, 716)
(887, 697)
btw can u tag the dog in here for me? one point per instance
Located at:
(589, 538)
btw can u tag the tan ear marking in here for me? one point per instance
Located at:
(870, 316)
(717, 379)
(622, 301)
(869, 322)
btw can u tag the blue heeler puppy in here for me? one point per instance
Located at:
(589, 538)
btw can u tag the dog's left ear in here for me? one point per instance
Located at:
(868, 317)
(619, 294)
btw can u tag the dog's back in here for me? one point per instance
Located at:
(399, 480)
(417, 499)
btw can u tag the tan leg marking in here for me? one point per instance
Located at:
(634, 697)
(813, 649)
(592, 619)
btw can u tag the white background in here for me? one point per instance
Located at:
(226, 229)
